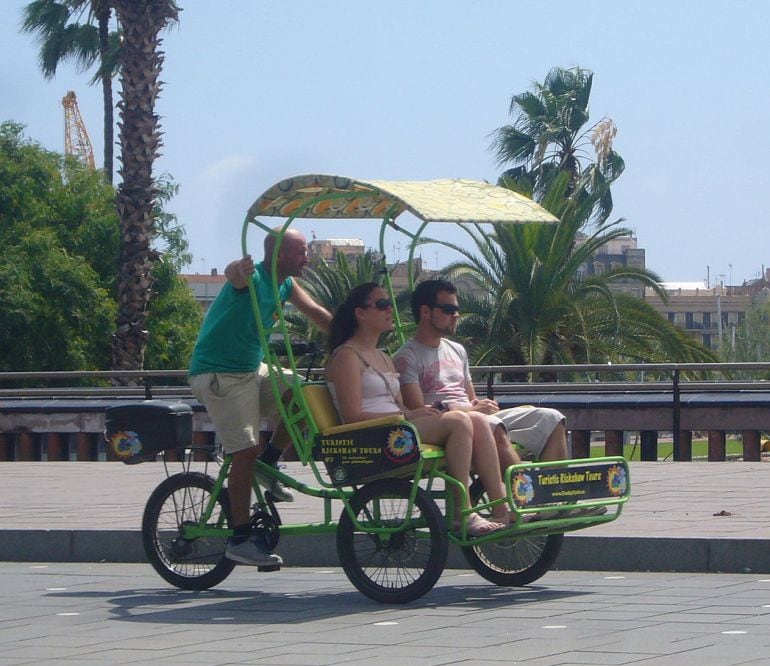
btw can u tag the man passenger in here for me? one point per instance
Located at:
(435, 371)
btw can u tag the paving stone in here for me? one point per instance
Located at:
(306, 617)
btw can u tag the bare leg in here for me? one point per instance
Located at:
(239, 484)
(455, 429)
(505, 451)
(556, 446)
(487, 464)
(458, 463)
(280, 438)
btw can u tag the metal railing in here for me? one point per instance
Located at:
(638, 377)
(675, 384)
(671, 382)
(145, 383)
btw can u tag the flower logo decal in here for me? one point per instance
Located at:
(523, 490)
(617, 481)
(400, 445)
(126, 443)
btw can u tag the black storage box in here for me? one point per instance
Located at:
(140, 431)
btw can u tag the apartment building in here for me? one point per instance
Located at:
(618, 253)
(205, 287)
(710, 315)
(329, 248)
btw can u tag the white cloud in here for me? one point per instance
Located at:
(226, 169)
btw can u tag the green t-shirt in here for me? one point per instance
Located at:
(228, 340)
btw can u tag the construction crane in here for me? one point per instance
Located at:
(76, 140)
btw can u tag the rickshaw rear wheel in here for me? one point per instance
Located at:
(189, 564)
(398, 567)
(509, 561)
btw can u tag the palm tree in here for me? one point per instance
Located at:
(65, 30)
(141, 22)
(533, 309)
(549, 137)
(329, 284)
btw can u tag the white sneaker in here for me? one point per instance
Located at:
(279, 492)
(250, 552)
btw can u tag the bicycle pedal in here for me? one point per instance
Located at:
(269, 567)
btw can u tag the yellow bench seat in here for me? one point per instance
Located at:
(327, 420)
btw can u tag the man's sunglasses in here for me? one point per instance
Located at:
(448, 308)
(381, 304)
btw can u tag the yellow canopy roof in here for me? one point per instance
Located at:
(448, 200)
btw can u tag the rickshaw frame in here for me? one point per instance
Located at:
(303, 197)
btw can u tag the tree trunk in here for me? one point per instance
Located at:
(103, 19)
(141, 62)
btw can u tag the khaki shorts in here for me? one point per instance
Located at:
(528, 426)
(240, 404)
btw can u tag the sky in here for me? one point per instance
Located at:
(258, 91)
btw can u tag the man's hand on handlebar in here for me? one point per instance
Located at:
(239, 272)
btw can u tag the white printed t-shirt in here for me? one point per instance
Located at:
(443, 373)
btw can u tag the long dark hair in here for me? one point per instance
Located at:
(344, 322)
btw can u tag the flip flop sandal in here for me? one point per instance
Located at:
(478, 526)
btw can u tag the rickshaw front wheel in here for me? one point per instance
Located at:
(509, 561)
(396, 567)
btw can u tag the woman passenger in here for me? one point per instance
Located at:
(364, 384)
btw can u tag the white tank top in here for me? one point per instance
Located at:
(378, 391)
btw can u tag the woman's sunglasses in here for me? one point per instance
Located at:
(448, 308)
(380, 304)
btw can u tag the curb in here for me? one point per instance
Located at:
(580, 553)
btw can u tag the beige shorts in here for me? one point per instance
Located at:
(240, 404)
(528, 426)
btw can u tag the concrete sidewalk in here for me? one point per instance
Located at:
(700, 517)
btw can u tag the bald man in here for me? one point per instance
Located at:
(228, 376)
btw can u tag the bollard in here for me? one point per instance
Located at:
(85, 447)
(25, 447)
(717, 445)
(752, 446)
(202, 442)
(581, 443)
(684, 452)
(54, 446)
(613, 442)
(649, 448)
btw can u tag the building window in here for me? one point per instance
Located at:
(688, 320)
(671, 317)
(706, 320)
(707, 340)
